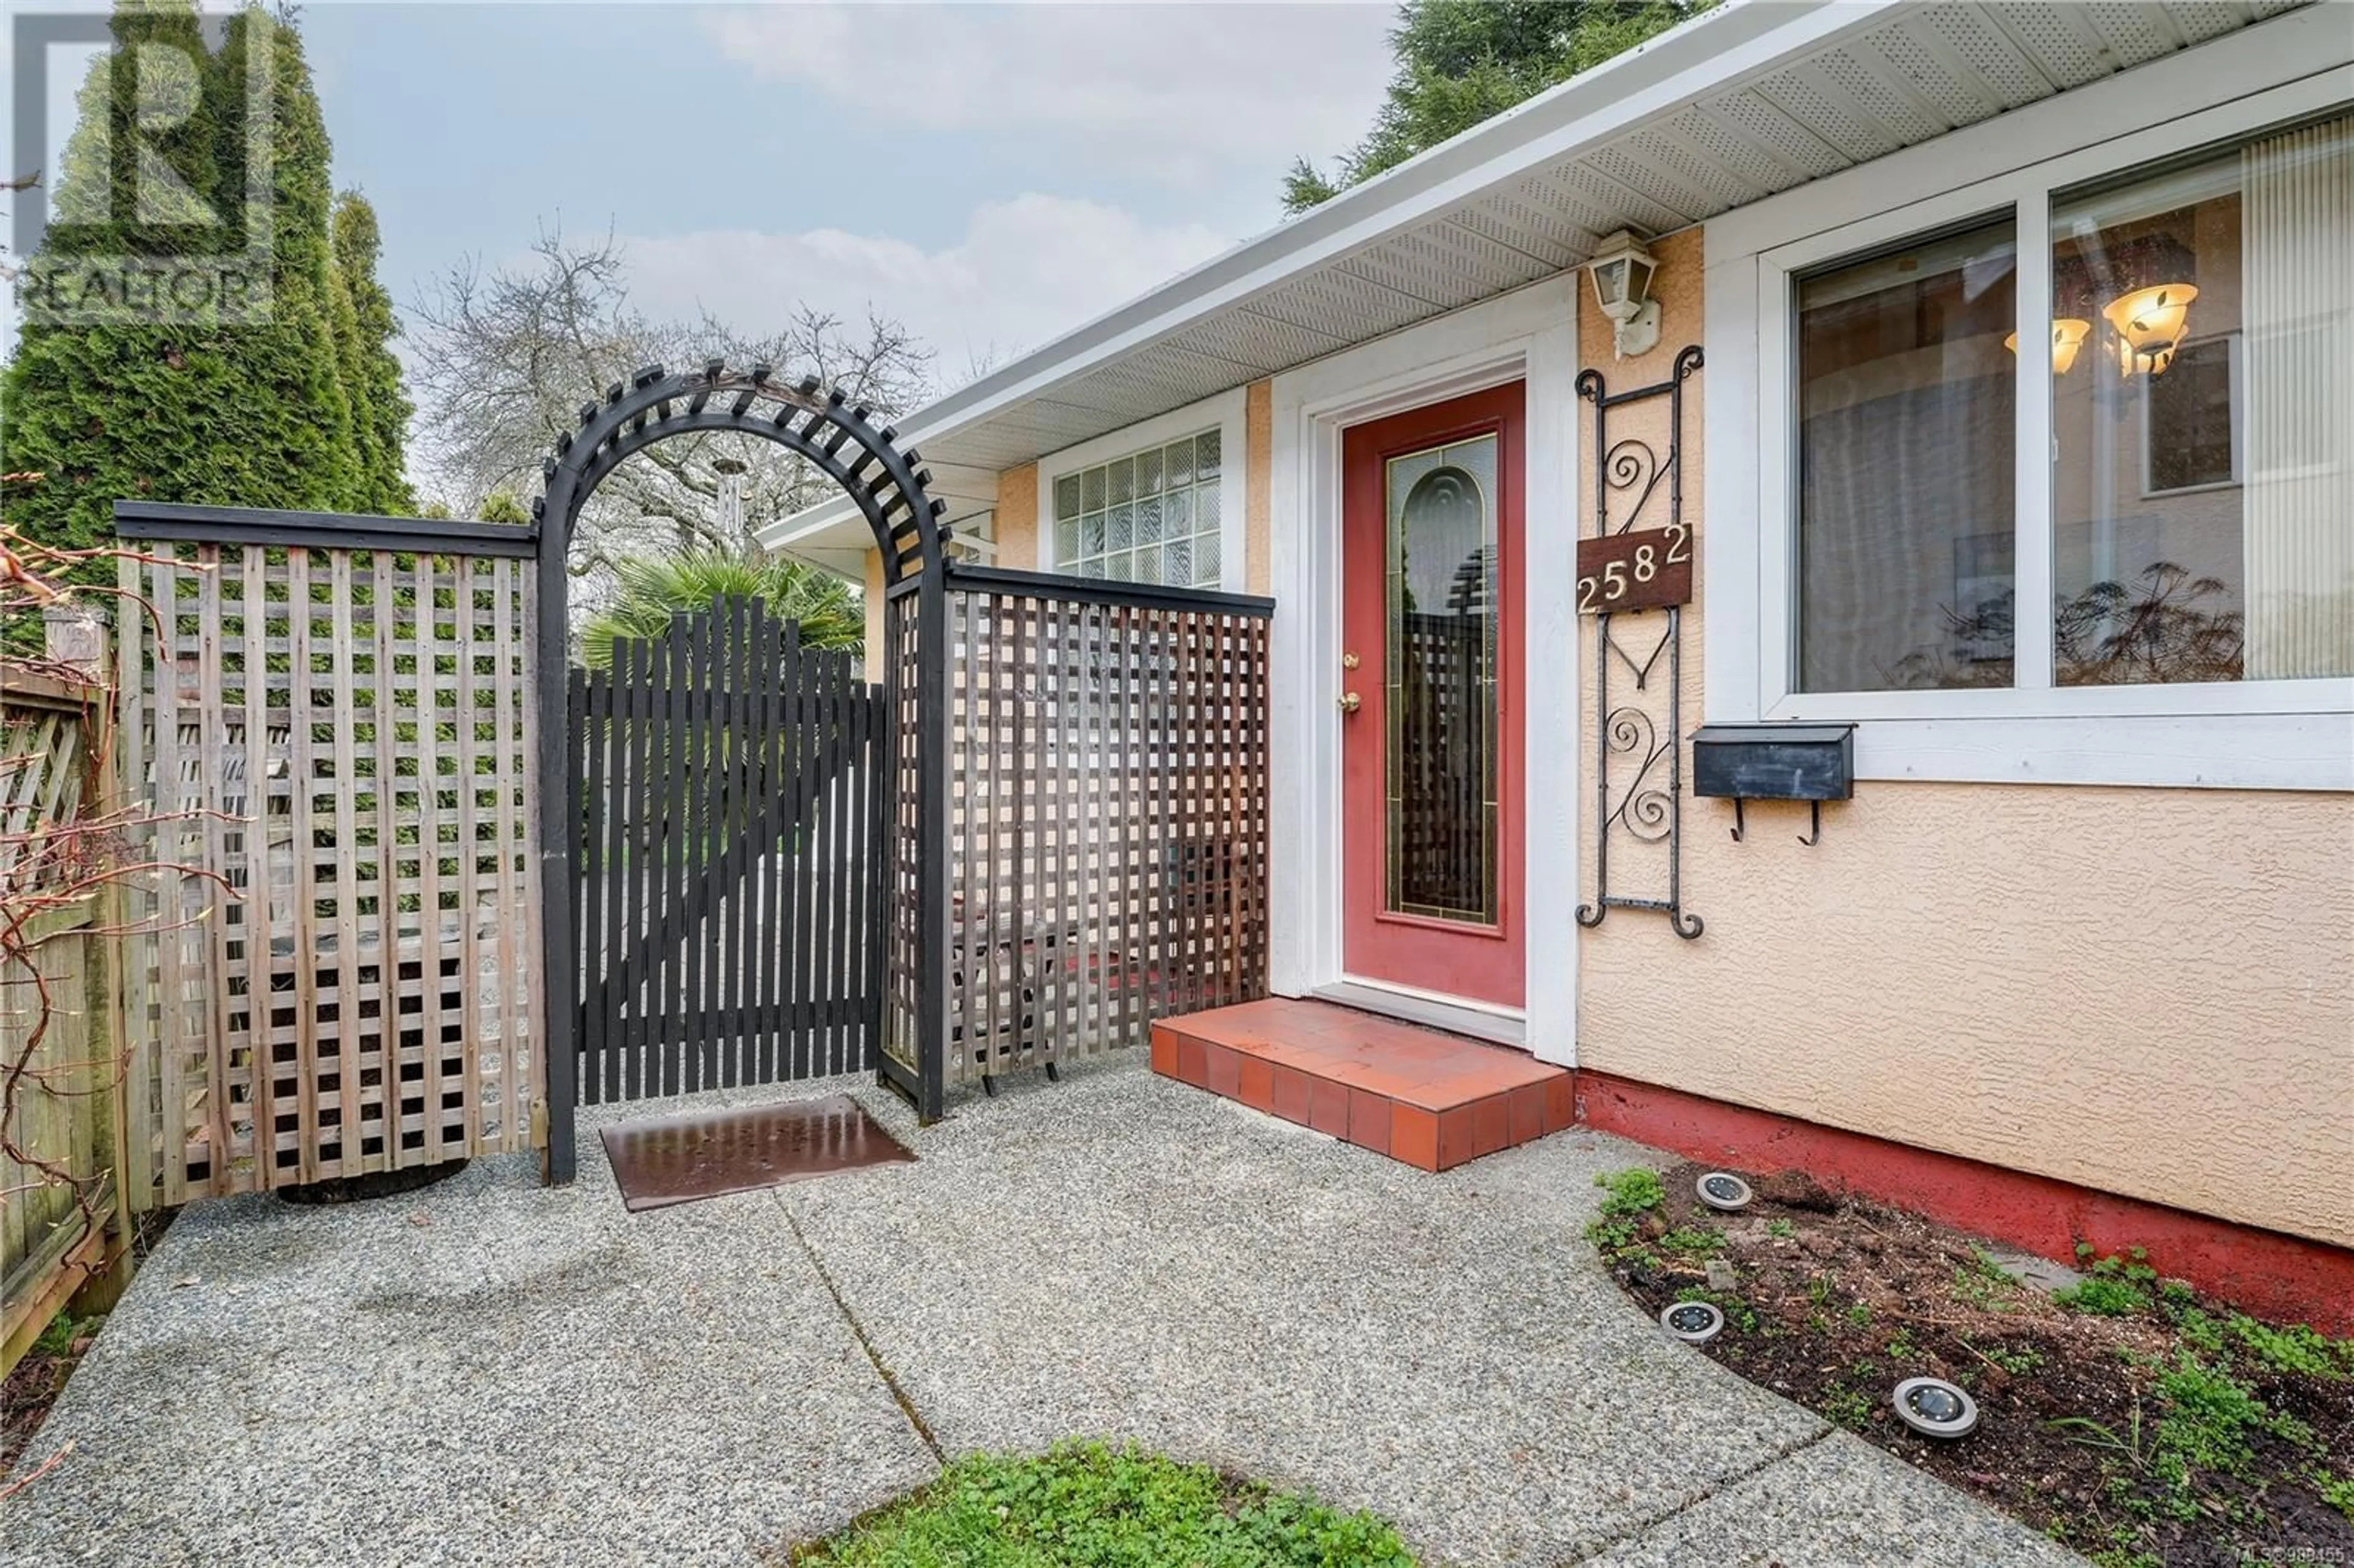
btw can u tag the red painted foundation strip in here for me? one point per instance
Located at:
(2282, 1277)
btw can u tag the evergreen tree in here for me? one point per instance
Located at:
(1463, 61)
(120, 409)
(230, 412)
(293, 416)
(371, 372)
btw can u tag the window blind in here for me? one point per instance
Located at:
(2298, 270)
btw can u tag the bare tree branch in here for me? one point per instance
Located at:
(503, 358)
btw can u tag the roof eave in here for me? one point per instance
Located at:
(1711, 51)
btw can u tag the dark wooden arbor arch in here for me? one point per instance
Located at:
(840, 440)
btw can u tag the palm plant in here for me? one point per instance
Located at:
(652, 589)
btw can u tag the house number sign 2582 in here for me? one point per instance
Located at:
(1646, 569)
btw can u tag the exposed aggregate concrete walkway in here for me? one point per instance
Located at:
(490, 1371)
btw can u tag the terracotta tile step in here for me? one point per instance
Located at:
(1429, 1100)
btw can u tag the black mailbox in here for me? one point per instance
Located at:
(1814, 762)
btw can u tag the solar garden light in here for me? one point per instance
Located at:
(1723, 1190)
(1693, 1322)
(1934, 1408)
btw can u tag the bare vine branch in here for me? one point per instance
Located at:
(51, 864)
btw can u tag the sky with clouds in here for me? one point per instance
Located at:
(992, 175)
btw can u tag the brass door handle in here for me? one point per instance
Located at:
(1351, 701)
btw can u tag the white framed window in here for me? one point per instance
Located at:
(1161, 501)
(2055, 469)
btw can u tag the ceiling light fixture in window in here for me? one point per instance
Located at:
(2149, 325)
(2068, 335)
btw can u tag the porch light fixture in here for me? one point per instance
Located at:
(1723, 1190)
(1622, 271)
(2068, 335)
(2149, 324)
(1693, 1322)
(1934, 1408)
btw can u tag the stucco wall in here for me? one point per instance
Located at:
(2147, 991)
(1017, 517)
(874, 602)
(1258, 487)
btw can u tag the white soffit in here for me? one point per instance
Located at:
(1749, 100)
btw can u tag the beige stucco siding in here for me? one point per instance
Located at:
(1017, 517)
(873, 603)
(2149, 991)
(1258, 491)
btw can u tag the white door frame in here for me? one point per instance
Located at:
(1528, 335)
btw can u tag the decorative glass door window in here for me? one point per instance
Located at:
(1151, 517)
(1439, 684)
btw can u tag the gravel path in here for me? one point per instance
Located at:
(490, 1371)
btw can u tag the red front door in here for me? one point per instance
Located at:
(1431, 748)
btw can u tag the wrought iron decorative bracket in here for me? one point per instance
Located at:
(1642, 798)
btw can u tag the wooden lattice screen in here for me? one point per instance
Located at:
(42, 723)
(1106, 768)
(57, 1076)
(903, 946)
(336, 979)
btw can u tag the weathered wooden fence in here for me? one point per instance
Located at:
(1105, 756)
(333, 720)
(725, 783)
(58, 1069)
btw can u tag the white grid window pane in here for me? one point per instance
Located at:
(1150, 517)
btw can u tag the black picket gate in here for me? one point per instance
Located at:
(726, 788)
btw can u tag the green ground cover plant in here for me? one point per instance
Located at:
(1088, 1505)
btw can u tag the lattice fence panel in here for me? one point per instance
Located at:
(902, 957)
(345, 916)
(1106, 772)
(42, 760)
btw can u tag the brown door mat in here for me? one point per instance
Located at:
(679, 1158)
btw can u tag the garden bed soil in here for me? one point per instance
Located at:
(34, 1383)
(2167, 1430)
